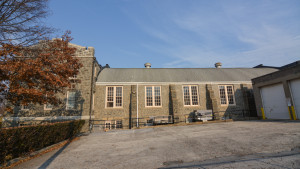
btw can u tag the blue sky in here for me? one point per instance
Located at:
(183, 33)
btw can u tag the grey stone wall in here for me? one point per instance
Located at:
(103, 113)
(83, 95)
(172, 103)
(147, 112)
(237, 111)
(183, 112)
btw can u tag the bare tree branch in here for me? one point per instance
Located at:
(21, 21)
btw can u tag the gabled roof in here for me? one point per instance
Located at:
(180, 74)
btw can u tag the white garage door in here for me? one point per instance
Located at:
(295, 90)
(274, 102)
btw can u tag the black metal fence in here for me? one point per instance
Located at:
(233, 114)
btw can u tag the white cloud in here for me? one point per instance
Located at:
(235, 33)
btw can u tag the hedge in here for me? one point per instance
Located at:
(16, 142)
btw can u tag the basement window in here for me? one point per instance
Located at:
(73, 77)
(119, 124)
(113, 124)
(226, 95)
(48, 106)
(153, 96)
(190, 95)
(114, 96)
(107, 125)
(24, 107)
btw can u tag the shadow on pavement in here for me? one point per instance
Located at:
(232, 159)
(53, 157)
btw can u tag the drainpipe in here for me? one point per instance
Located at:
(137, 105)
(92, 93)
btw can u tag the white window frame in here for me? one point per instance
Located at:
(25, 108)
(46, 108)
(67, 103)
(190, 93)
(108, 125)
(113, 124)
(114, 98)
(73, 77)
(153, 96)
(226, 95)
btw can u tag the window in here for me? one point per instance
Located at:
(119, 124)
(153, 96)
(73, 77)
(48, 106)
(24, 107)
(107, 125)
(113, 124)
(95, 71)
(71, 99)
(190, 95)
(114, 95)
(226, 95)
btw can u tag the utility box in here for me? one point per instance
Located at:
(203, 115)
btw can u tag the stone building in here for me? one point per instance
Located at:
(128, 97)
(77, 100)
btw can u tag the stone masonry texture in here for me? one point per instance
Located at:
(172, 103)
(86, 78)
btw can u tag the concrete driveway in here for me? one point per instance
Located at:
(245, 144)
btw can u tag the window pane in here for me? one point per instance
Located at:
(230, 95)
(119, 124)
(110, 97)
(110, 94)
(107, 125)
(157, 95)
(222, 95)
(71, 100)
(186, 95)
(24, 107)
(194, 95)
(49, 106)
(110, 104)
(118, 96)
(119, 91)
(149, 96)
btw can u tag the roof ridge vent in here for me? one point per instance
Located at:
(147, 65)
(218, 65)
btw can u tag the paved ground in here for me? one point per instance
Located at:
(248, 144)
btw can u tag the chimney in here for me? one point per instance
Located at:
(147, 65)
(218, 65)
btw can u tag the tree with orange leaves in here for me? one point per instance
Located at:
(37, 73)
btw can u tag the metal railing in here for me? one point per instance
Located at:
(235, 114)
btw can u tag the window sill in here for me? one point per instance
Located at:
(113, 107)
(153, 107)
(228, 105)
(190, 105)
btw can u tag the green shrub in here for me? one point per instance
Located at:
(15, 142)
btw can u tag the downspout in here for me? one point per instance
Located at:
(137, 105)
(92, 86)
(92, 93)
